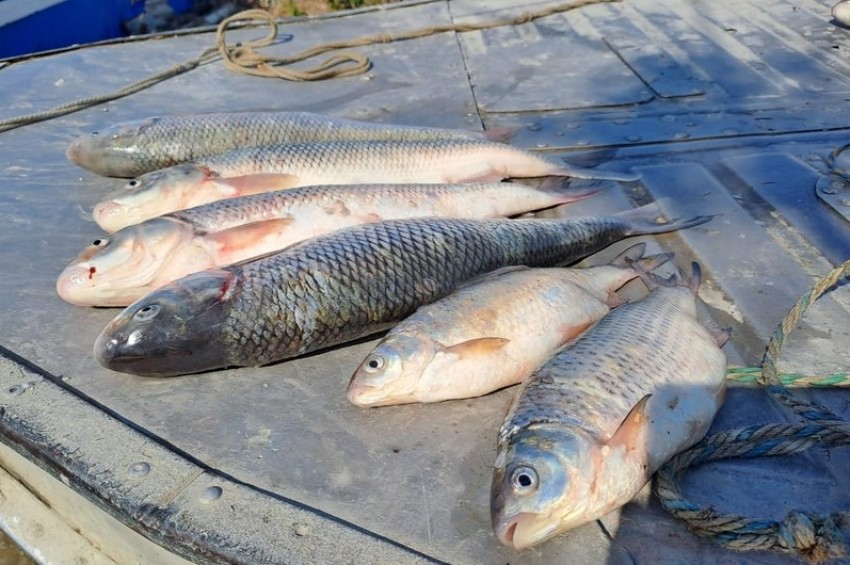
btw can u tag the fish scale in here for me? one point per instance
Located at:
(590, 426)
(493, 333)
(340, 287)
(134, 148)
(254, 170)
(598, 377)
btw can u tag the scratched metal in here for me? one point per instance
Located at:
(726, 108)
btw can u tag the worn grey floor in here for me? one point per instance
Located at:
(727, 108)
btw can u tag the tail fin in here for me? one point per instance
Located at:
(633, 258)
(561, 186)
(582, 173)
(647, 220)
(651, 280)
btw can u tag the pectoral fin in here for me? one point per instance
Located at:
(475, 347)
(632, 432)
(249, 240)
(260, 183)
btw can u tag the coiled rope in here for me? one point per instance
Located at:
(245, 58)
(816, 538)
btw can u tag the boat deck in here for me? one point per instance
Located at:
(730, 108)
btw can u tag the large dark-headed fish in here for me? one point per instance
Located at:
(589, 427)
(339, 287)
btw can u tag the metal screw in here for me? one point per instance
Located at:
(211, 493)
(139, 469)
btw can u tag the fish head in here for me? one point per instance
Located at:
(391, 373)
(178, 329)
(112, 151)
(542, 484)
(117, 269)
(150, 195)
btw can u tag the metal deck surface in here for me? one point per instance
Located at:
(728, 108)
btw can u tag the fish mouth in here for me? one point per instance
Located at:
(73, 283)
(524, 530)
(76, 154)
(366, 396)
(111, 215)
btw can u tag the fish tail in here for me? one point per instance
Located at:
(651, 280)
(646, 220)
(634, 258)
(583, 173)
(561, 187)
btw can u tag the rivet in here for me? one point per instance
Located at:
(211, 493)
(138, 469)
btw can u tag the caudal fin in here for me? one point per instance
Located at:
(582, 173)
(648, 219)
(633, 258)
(652, 280)
(560, 186)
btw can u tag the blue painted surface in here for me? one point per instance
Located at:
(66, 23)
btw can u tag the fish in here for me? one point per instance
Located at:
(340, 287)
(491, 334)
(255, 170)
(588, 428)
(118, 269)
(133, 148)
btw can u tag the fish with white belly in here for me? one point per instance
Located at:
(589, 428)
(491, 334)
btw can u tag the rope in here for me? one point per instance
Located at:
(83, 103)
(245, 58)
(813, 537)
(753, 376)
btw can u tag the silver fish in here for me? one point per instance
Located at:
(134, 148)
(339, 287)
(589, 427)
(264, 169)
(491, 334)
(116, 270)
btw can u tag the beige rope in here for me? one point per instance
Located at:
(246, 59)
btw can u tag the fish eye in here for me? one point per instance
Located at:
(146, 313)
(374, 363)
(524, 480)
(133, 183)
(100, 242)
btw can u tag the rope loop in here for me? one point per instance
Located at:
(814, 538)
